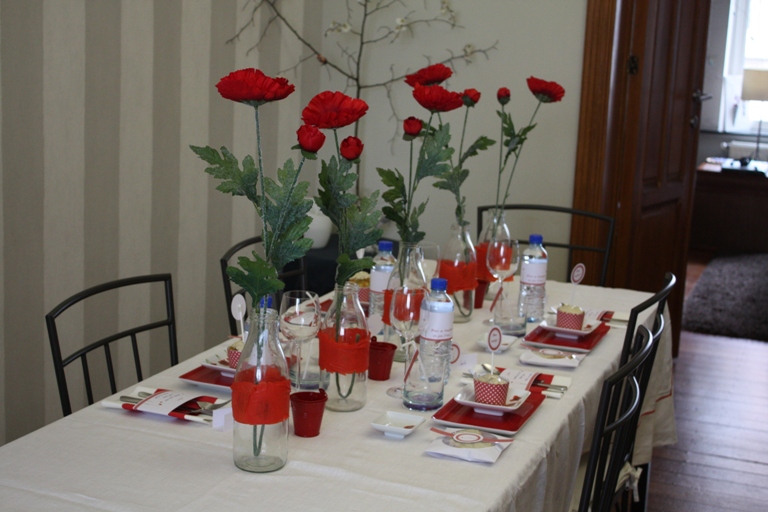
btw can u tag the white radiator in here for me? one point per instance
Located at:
(740, 149)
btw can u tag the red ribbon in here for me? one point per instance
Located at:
(345, 355)
(460, 275)
(265, 403)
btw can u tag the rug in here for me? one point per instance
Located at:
(730, 299)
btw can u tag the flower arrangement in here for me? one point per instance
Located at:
(355, 217)
(433, 157)
(281, 205)
(513, 140)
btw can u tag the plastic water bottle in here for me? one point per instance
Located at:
(383, 265)
(436, 330)
(533, 280)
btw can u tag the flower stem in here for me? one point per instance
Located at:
(501, 162)
(517, 158)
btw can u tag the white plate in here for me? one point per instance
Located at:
(467, 397)
(506, 342)
(397, 424)
(221, 366)
(570, 333)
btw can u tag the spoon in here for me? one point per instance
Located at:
(490, 369)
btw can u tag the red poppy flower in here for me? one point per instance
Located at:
(311, 139)
(333, 110)
(253, 87)
(436, 98)
(470, 97)
(412, 126)
(503, 95)
(430, 75)
(545, 92)
(351, 148)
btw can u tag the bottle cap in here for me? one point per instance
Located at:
(535, 239)
(439, 283)
(385, 245)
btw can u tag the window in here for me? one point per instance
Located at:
(746, 48)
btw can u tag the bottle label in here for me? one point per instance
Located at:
(436, 325)
(380, 279)
(534, 272)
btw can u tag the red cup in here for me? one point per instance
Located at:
(482, 287)
(307, 408)
(380, 358)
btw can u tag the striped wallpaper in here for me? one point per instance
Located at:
(99, 102)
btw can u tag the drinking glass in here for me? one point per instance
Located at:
(503, 257)
(405, 310)
(300, 317)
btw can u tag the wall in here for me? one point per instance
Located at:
(100, 101)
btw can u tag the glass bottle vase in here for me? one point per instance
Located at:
(344, 344)
(408, 271)
(458, 265)
(261, 398)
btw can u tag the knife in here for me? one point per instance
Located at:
(553, 387)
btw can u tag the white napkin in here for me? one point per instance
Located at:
(467, 444)
(551, 357)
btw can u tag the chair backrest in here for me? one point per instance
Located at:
(294, 275)
(659, 300)
(60, 362)
(615, 428)
(603, 229)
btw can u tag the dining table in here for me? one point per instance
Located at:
(100, 458)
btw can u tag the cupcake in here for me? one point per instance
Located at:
(491, 390)
(233, 352)
(570, 317)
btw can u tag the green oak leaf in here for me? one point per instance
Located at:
(257, 277)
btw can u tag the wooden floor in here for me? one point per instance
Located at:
(720, 462)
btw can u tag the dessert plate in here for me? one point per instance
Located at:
(209, 378)
(570, 333)
(221, 365)
(454, 414)
(542, 338)
(515, 398)
(397, 424)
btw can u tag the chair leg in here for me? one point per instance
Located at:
(642, 489)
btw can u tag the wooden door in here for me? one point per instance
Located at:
(638, 135)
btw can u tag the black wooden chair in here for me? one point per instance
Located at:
(294, 275)
(659, 300)
(632, 345)
(615, 429)
(60, 362)
(602, 225)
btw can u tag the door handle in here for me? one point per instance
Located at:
(699, 96)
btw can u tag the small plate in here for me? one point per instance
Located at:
(221, 365)
(515, 398)
(208, 378)
(397, 424)
(570, 333)
(506, 342)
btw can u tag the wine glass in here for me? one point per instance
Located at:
(502, 258)
(405, 310)
(300, 317)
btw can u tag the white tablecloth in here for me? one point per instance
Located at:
(106, 459)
